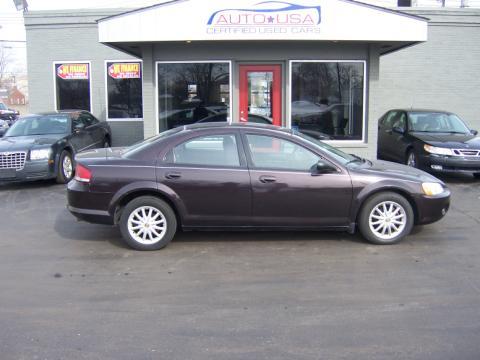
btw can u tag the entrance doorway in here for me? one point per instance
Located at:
(261, 94)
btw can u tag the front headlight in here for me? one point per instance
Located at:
(40, 154)
(432, 189)
(437, 150)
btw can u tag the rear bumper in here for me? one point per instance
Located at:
(450, 164)
(88, 206)
(33, 170)
(432, 208)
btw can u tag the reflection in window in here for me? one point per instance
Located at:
(327, 99)
(72, 83)
(274, 153)
(124, 87)
(192, 92)
(216, 150)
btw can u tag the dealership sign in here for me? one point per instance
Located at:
(267, 16)
(73, 71)
(221, 20)
(124, 71)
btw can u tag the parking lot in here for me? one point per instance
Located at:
(72, 290)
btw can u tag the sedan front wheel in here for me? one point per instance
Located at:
(386, 218)
(148, 223)
(65, 167)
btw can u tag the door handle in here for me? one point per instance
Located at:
(173, 175)
(267, 179)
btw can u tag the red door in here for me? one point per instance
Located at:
(261, 93)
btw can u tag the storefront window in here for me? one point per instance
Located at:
(192, 92)
(328, 99)
(124, 89)
(72, 84)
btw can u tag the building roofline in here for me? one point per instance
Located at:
(359, 3)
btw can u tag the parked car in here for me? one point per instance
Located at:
(43, 146)
(248, 176)
(3, 127)
(10, 115)
(435, 141)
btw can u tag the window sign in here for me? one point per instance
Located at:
(124, 90)
(72, 86)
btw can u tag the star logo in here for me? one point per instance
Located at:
(270, 19)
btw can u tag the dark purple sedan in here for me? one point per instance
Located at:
(242, 176)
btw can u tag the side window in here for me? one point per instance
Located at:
(88, 119)
(274, 153)
(401, 121)
(77, 119)
(212, 150)
(390, 119)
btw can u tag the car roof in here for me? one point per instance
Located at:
(410, 110)
(219, 125)
(57, 112)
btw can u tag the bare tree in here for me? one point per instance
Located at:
(5, 60)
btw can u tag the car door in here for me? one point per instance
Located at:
(397, 142)
(80, 138)
(208, 174)
(286, 193)
(95, 130)
(385, 134)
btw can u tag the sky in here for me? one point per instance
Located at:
(12, 30)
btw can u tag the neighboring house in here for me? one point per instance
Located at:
(16, 97)
(4, 95)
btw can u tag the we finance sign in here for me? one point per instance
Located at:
(266, 17)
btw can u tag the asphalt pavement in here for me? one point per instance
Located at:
(72, 290)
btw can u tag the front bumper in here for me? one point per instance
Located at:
(88, 206)
(33, 170)
(450, 164)
(432, 208)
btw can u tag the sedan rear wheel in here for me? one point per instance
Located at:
(148, 223)
(386, 218)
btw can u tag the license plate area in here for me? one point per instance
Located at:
(8, 174)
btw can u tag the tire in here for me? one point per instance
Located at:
(65, 171)
(107, 143)
(374, 219)
(411, 159)
(142, 208)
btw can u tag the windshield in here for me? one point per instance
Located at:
(3, 107)
(436, 123)
(39, 125)
(337, 154)
(139, 146)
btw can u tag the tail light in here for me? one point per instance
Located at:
(83, 174)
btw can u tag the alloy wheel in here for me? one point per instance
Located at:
(67, 167)
(147, 225)
(387, 220)
(412, 161)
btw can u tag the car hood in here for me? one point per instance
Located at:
(25, 143)
(396, 171)
(452, 141)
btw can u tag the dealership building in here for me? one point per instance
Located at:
(329, 68)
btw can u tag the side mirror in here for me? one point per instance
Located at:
(474, 132)
(398, 130)
(323, 167)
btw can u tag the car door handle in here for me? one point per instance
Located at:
(173, 175)
(267, 179)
